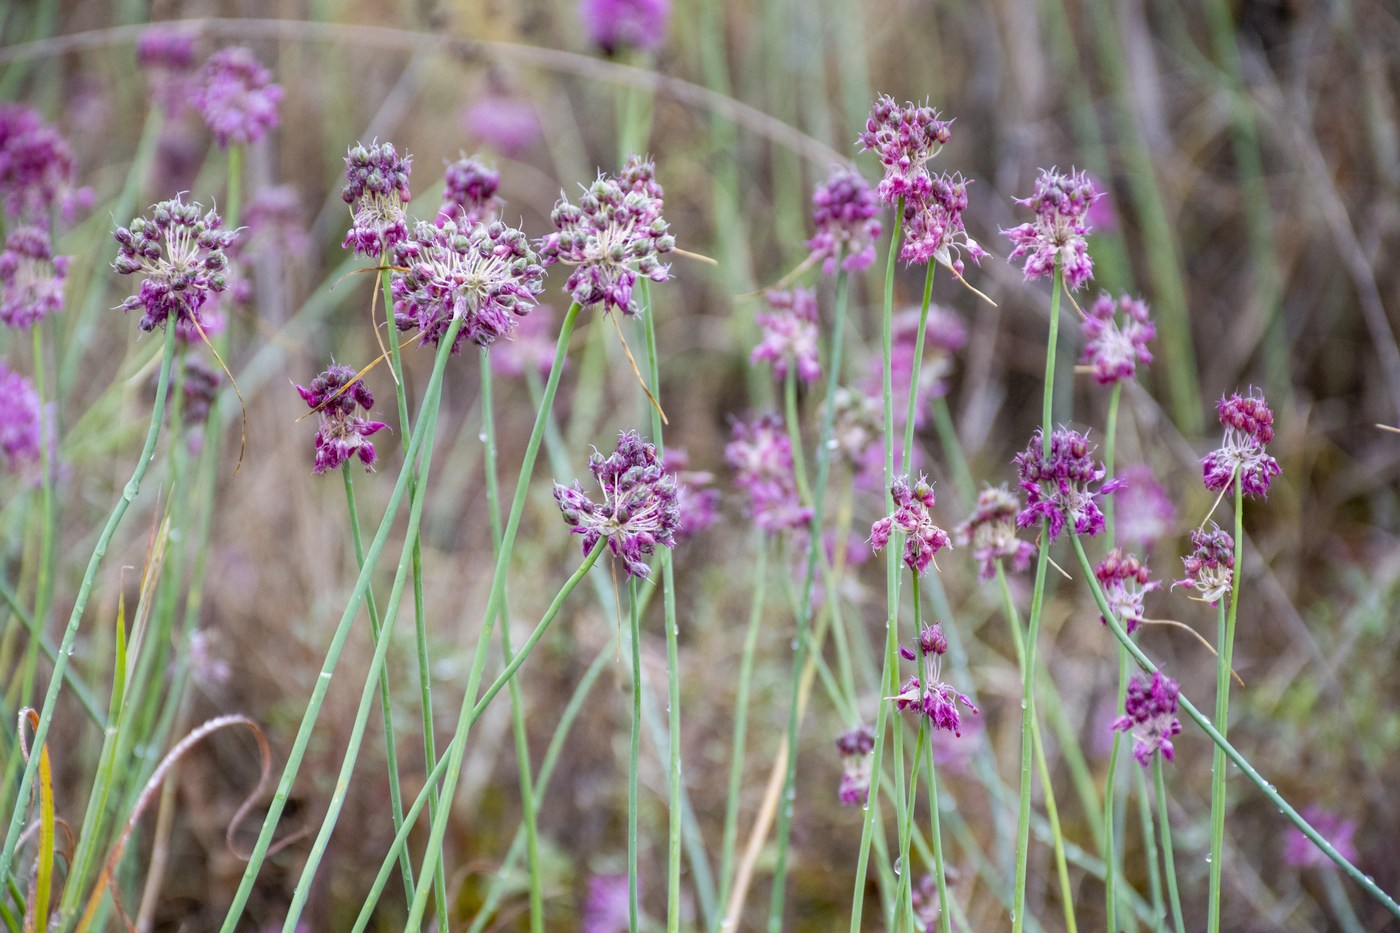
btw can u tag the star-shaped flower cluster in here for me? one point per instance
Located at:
(1114, 351)
(235, 95)
(844, 213)
(935, 699)
(1210, 567)
(1126, 581)
(1058, 486)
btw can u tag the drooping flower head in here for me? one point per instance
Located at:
(612, 237)
(1249, 425)
(1150, 715)
(639, 509)
(37, 168)
(1299, 850)
(761, 456)
(620, 25)
(1143, 513)
(235, 95)
(1210, 567)
(343, 432)
(1058, 487)
(486, 275)
(991, 532)
(1125, 581)
(181, 255)
(938, 701)
(696, 497)
(790, 335)
(905, 138)
(844, 213)
(854, 747)
(1114, 351)
(508, 124)
(31, 278)
(376, 188)
(922, 538)
(19, 423)
(166, 54)
(469, 193)
(1061, 204)
(933, 225)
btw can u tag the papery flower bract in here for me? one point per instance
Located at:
(1112, 351)
(486, 275)
(181, 255)
(1210, 567)
(938, 701)
(19, 422)
(844, 213)
(991, 532)
(905, 138)
(922, 538)
(1150, 715)
(1142, 511)
(235, 95)
(31, 278)
(508, 124)
(1249, 425)
(614, 236)
(37, 168)
(469, 193)
(854, 747)
(1125, 581)
(761, 455)
(696, 497)
(1061, 203)
(376, 188)
(1058, 487)
(790, 335)
(1299, 850)
(621, 25)
(639, 508)
(342, 433)
(933, 225)
(166, 54)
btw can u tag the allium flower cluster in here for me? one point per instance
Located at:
(19, 422)
(167, 57)
(761, 456)
(486, 275)
(856, 421)
(938, 701)
(31, 278)
(469, 193)
(181, 255)
(924, 898)
(855, 747)
(1150, 715)
(1210, 567)
(790, 335)
(991, 532)
(342, 433)
(376, 188)
(697, 498)
(1125, 581)
(1249, 425)
(905, 138)
(1061, 203)
(37, 168)
(235, 95)
(622, 25)
(1143, 512)
(922, 538)
(844, 213)
(640, 507)
(1114, 351)
(1299, 850)
(933, 225)
(1058, 486)
(612, 237)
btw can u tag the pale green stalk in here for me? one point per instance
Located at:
(1149, 841)
(1110, 826)
(75, 683)
(1165, 822)
(935, 832)
(1225, 649)
(633, 750)
(908, 459)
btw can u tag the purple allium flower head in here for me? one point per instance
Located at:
(181, 255)
(991, 532)
(640, 507)
(469, 193)
(201, 385)
(166, 54)
(343, 433)
(1249, 425)
(761, 455)
(922, 538)
(1114, 351)
(376, 188)
(933, 226)
(1061, 204)
(790, 335)
(905, 138)
(276, 224)
(844, 213)
(1299, 851)
(1150, 715)
(486, 275)
(19, 422)
(31, 278)
(1126, 581)
(37, 168)
(854, 748)
(508, 124)
(939, 701)
(607, 909)
(697, 498)
(614, 236)
(236, 97)
(1058, 487)
(619, 25)
(1210, 567)
(1143, 512)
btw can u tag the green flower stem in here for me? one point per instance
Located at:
(1149, 840)
(233, 208)
(935, 832)
(65, 649)
(1233, 754)
(1225, 648)
(908, 460)
(1110, 445)
(433, 853)
(633, 750)
(1047, 426)
(48, 508)
(1162, 820)
(1110, 826)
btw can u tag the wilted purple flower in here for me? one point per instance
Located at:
(612, 237)
(844, 213)
(37, 169)
(639, 508)
(696, 497)
(1112, 351)
(1142, 511)
(1299, 850)
(1057, 487)
(620, 25)
(933, 225)
(991, 532)
(376, 188)
(608, 907)
(343, 433)
(790, 335)
(1126, 581)
(508, 124)
(181, 255)
(31, 278)
(905, 138)
(19, 422)
(1150, 715)
(276, 224)
(167, 56)
(235, 95)
(469, 193)
(1210, 567)
(855, 747)
(1061, 203)
(922, 538)
(761, 455)
(938, 701)
(486, 275)
(1249, 425)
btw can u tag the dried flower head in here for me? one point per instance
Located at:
(1114, 351)
(19, 423)
(1061, 204)
(991, 532)
(790, 335)
(236, 97)
(1150, 715)
(905, 138)
(1126, 581)
(37, 168)
(938, 701)
(1249, 425)
(1210, 567)
(622, 25)
(933, 225)
(1299, 850)
(31, 278)
(854, 747)
(922, 538)
(1058, 486)
(376, 188)
(469, 193)
(181, 255)
(844, 213)
(343, 433)
(1143, 513)
(761, 456)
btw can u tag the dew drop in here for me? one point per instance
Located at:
(1207, 858)
(898, 865)
(481, 437)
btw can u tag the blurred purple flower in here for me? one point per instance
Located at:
(19, 423)
(844, 213)
(607, 908)
(181, 256)
(376, 188)
(235, 95)
(991, 532)
(166, 54)
(1298, 850)
(1150, 715)
(529, 346)
(1061, 203)
(276, 224)
(761, 456)
(1142, 511)
(623, 25)
(469, 193)
(507, 124)
(696, 497)
(854, 747)
(37, 169)
(342, 432)
(1113, 352)
(790, 335)
(31, 278)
